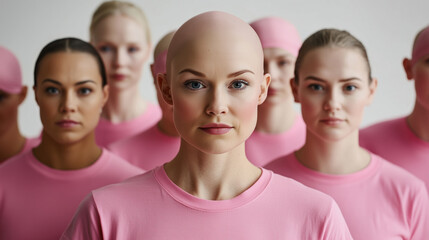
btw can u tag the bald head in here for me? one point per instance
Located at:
(163, 44)
(214, 33)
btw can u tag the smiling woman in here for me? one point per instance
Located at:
(49, 182)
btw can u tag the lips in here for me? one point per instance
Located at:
(332, 121)
(118, 77)
(67, 123)
(216, 128)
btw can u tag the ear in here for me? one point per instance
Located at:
(153, 74)
(406, 63)
(294, 87)
(264, 88)
(105, 93)
(23, 94)
(164, 88)
(372, 88)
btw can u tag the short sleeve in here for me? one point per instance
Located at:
(86, 222)
(335, 227)
(419, 214)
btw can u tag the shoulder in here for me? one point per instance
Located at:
(384, 126)
(280, 164)
(398, 178)
(118, 164)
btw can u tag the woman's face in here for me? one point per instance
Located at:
(216, 88)
(70, 95)
(280, 64)
(122, 44)
(333, 91)
(9, 104)
(420, 72)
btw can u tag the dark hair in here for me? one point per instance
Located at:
(70, 45)
(330, 38)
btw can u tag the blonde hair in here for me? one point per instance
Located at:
(330, 38)
(128, 9)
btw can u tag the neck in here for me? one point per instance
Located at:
(11, 143)
(212, 176)
(167, 127)
(275, 118)
(418, 122)
(333, 157)
(124, 105)
(67, 156)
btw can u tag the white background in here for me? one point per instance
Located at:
(386, 27)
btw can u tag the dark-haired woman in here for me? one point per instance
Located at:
(40, 190)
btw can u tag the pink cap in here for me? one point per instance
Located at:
(421, 46)
(159, 64)
(275, 32)
(10, 72)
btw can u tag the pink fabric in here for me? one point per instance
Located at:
(148, 149)
(159, 64)
(381, 201)
(10, 72)
(37, 202)
(275, 32)
(394, 141)
(150, 206)
(263, 148)
(421, 46)
(107, 132)
(30, 143)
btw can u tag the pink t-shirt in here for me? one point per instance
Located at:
(381, 201)
(262, 148)
(37, 202)
(394, 141)
(107, 132)
(148, 149)
(151, 206)
(30, 143)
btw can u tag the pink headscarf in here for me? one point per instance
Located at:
(421, 46)
(275, 32)
(159, 65)
(10, 72)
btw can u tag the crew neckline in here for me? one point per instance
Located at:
(367, 172)
(199, 204)
(67, 174)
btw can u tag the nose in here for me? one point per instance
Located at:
(217, 103)
(273, 70)
(68, 103)
(121, 57)
(333, 101)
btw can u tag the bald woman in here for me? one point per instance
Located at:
(215, 82)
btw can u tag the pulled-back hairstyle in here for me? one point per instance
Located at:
(70, 45)
(127, 9)
(330, 38)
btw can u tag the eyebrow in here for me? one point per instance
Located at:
(76, 84)
(341, 80)
(234, 74)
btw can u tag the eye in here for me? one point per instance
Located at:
(315, 87)
(105, 49)
(52, 91)
(84, 91)
(239, 84)
(194, 85)
(133, 49)
(283, 62)
(350, 88)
